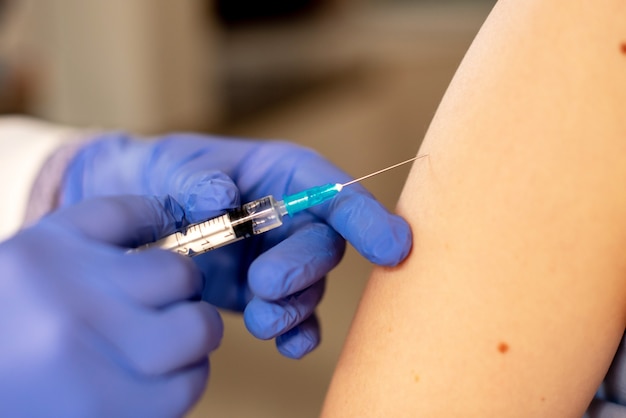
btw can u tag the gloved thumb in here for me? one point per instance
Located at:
(116, 164)
(204, 194)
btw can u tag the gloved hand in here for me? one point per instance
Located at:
(610, 401)
(88, 330)
(277, 277)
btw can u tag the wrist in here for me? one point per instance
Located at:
(45, 191)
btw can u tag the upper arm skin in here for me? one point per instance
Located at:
(512, 301)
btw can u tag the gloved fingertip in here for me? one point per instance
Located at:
(298, 341)
(210, 194)
(262, 319)
(265, 277)
(392, 242)
(381, 237)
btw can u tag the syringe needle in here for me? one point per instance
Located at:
(315, 195)
(383, 170)
(252, 218)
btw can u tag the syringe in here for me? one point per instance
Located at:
(250, 219)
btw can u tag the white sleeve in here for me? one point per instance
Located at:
(25, 145)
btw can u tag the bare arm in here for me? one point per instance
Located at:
(512, 302)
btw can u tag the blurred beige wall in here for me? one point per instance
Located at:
(140, 65)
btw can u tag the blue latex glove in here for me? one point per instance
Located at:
(88, 330)
(610, 401)
(277, 277)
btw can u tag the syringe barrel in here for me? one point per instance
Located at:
(198, 238)
(250, 219)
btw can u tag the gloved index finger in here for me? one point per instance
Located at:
(123, 220)
(380, 236)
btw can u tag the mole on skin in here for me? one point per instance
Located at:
(622, 47)
(503, 347)
(416, 377)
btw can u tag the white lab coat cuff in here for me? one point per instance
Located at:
(26, 145)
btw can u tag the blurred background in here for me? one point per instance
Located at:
(357, 80)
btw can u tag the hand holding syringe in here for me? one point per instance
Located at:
(277, 279)
(251, 219)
